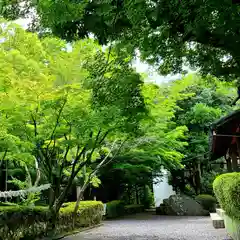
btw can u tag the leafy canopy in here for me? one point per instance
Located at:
(170, 34)
(61, 105)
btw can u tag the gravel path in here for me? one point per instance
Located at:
(152, 227)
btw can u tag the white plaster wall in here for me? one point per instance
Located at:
(162, 189)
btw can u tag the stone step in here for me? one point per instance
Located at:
(220, 212)
(217, 221)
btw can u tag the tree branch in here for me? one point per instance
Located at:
(4, 155)
(57, 122)
(35, 125)
(89, 180)
(93, 173)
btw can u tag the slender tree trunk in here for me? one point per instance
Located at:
(51, 226)
(129, 195)
(137, 196)
(199, 171)
(199, 177)
(195, 179)
(6, 178)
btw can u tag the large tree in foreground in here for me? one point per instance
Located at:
(60, 106)
(169, 33)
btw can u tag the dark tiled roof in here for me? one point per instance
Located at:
(225, 126)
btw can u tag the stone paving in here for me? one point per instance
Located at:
(152, 227)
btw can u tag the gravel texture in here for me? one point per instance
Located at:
(152, 227)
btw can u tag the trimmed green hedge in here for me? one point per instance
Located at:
(117, 208)
(114, 209)
(134, 208)
(227, 190)
(90, 213)
(18, 222)
(208, 202)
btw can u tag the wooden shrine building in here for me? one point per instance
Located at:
(225, 140)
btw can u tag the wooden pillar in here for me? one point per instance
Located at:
(234, 162)
(229, 164)
(228, 161)
(234, 154)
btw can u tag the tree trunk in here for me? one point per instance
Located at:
(199, 171)
(51, 196)
(199, 177)
(196, 179)
(79, 198)
(137, 197)
(51, 225)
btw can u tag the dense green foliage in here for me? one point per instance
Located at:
(169, 34)
(29, 223)
(208, 202)
(117, 208)
(76, 113)
(176, 136)
(227, 190)
(133, 208)
(208, 100)
(89, 214)
(63, 109)
(147, 199)
(114, 209)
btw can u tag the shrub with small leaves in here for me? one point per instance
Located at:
(114, 209)
(133, 208)
(208, 202)
(89, 213)
(227, 191)
(19, 222)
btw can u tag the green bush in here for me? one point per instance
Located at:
(207, 182)
(117, 208)
(207, 201)
(148, 197)
(114, 209)
(89, 213)
(133, 208)
(189, 191)
(227, 191)
(18, 222)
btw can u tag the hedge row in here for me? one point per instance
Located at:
(227, 190)
(90, 213)
(117, 208)
(18, 222)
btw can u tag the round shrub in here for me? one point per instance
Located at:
(227, 191)
(114, 209)
(208, 202)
